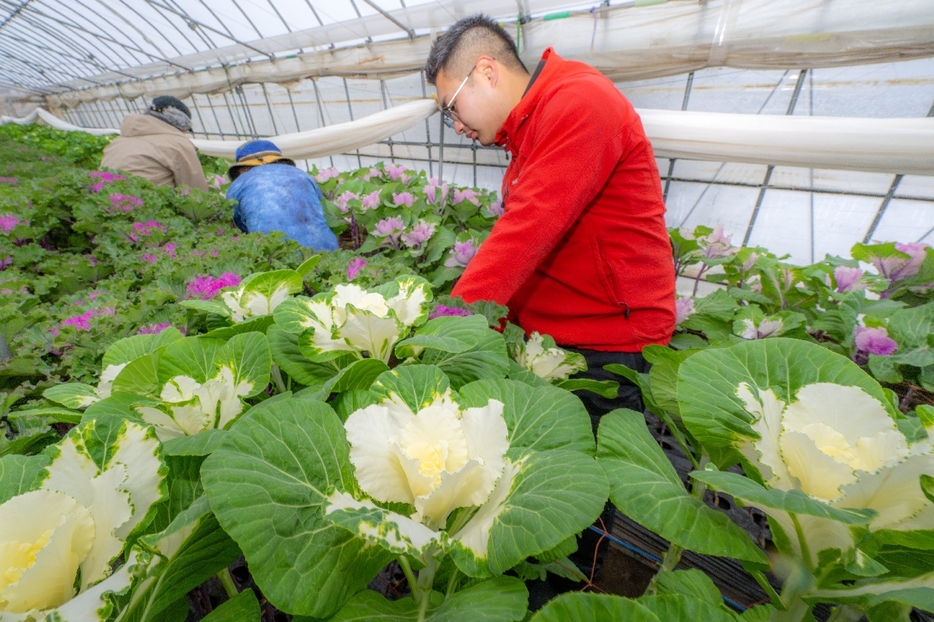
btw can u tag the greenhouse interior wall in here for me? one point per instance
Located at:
(805, 213)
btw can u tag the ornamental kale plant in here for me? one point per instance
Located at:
(331, 417)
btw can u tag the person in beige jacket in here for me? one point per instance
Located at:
(155, 146)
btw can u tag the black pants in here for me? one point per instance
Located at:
(588, 558)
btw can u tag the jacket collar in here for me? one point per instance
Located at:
(507, 135)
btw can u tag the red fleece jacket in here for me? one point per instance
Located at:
(582, 252)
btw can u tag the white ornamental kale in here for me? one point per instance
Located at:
(261, 293)
(244, 304)
(75, 525)
(352, 319)
(437, 459)
(190, 407)
(542, 357)
(838, 445)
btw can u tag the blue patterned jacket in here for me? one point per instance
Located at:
(280, 197)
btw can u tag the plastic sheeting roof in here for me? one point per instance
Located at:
(251, 68)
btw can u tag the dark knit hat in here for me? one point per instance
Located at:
(256, 153)
(167, 101)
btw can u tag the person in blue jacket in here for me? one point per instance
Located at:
(273, 195)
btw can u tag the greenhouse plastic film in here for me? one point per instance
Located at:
(624, 42)
(874, 145)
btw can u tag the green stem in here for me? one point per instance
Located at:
(796, 612)
(845, 613)
(228, 582)
(409, 575)
(669, 563)
(277, 377)
(674, 552)
(452, 582)
(426, 581)
(805, 551)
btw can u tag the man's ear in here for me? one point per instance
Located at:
(488, 70)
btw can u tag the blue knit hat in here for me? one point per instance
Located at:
(256, 153)
(257, 149)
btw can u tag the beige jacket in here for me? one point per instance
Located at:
(156, 151)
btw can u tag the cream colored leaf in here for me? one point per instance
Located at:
(44, 536)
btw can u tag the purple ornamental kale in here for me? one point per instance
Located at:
(8, 222)
(371, 201)
(353, 268)
(896, 268)
(342, 201)
(403, 198)
(847, 279)
(444, 310)
(207, 287)
(466, 195)
(431, 191)
(420, 233)
(461, 255)
(684, 307)
(716, 243)
(153, 329)
(875, 341)
(326, 174)
(396, 172)
(389, 227)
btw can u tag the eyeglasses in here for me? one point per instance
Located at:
(447, 112)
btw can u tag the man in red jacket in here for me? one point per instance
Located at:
(581, 252)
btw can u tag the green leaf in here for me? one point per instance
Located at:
(61, 415)
(131, 348)
(244, 607)
(308, 265)
(497, 600)
(792, 501)
(446, 334)
(286, 354)
(503, 599)
(394, 532)
(606, 388)
(348, 402)
(140, 376)
(249, 357)
(72, 395)
(194, 357)
(184, 487)
(692, 583)
(416, 385)
(268, 484)
(682, 607)
(200, 444)
(541, 499)
(645, 487)
(488, 359)
(189, 551)
(19, 473)
(207, 306)
(537, 418)
(663, 375)
(588, 607)
(258, 324)
(360, 374)
(708, 382)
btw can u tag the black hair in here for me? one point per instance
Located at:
(470, 37)
(236, 171)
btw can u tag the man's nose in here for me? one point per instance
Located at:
(459, 127)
